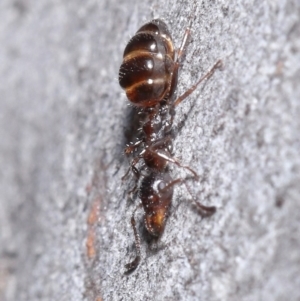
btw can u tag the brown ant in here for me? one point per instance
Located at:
(149, 74)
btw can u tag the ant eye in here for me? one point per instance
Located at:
(161, 186)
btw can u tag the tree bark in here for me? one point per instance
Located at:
(65, 230)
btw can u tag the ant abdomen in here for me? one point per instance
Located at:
(146, 73)
(156, 195)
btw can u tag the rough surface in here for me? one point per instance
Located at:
(64, 213)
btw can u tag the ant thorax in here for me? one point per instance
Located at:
(157, 124)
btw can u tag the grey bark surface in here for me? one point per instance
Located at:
(64, 212)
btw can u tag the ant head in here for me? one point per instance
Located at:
(156, 197)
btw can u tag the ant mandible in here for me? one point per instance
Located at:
(149, 74)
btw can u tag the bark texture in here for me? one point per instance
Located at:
(64, 212)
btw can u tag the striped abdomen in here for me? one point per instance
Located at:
(147, 70)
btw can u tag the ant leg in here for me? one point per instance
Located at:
(207, 210)
(164, 155)
(217, 65)
(183, 45)
(180, 54)
(135, 172)
(132, 167)
(175, 161)
(133, 190)
(174, 182)
(133, 264)
(128, 150)
(184, 42)
(126, 174)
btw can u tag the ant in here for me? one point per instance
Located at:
(149, 74)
